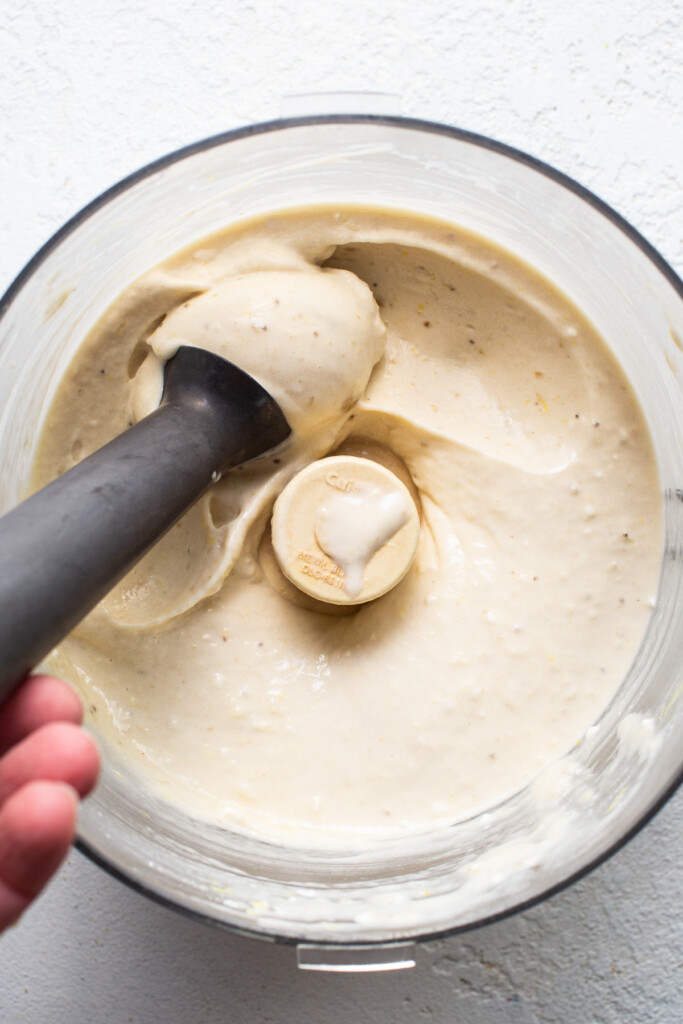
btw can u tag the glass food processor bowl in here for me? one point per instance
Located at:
(582, 807)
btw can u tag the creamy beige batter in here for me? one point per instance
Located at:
(538, 556)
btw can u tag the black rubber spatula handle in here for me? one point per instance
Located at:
(65, 547)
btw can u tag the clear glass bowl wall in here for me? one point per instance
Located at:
(514, 854)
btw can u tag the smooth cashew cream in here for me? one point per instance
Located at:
(248, 673)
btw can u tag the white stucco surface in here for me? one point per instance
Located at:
(91, 91)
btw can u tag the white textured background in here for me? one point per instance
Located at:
(92, 89)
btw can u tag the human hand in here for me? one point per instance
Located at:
(46, 763)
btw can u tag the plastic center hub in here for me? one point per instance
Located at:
(345, 530)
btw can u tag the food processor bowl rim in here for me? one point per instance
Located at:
(406, 936)
(390, 121)
(381, 120)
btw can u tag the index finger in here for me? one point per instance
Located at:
(41, 699)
